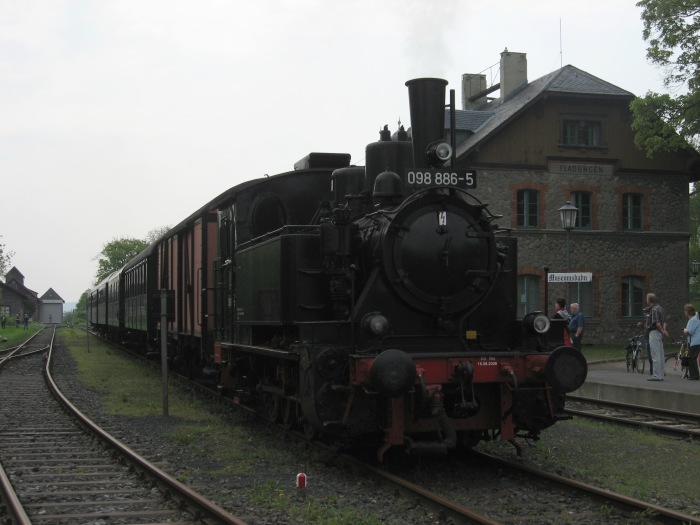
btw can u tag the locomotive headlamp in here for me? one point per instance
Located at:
(541, 324)
(537, 322)
(376, 324)
(439, 153)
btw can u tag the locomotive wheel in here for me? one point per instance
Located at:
(289, 414)
(271, 407)
(309, 431)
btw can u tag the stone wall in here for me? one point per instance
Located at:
(658, 253)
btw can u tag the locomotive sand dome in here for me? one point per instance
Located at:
(371, 305)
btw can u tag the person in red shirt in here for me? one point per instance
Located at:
(562, 313)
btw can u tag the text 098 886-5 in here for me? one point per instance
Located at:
(426, 178)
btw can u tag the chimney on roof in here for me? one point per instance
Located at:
(513, 72)
(473, 84)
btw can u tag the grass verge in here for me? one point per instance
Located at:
(127, 388)
(637, 463)
(16, 336)
(263, 465)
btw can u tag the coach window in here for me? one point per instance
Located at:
(582, 200)
(528, 294)
(528, 208)
(631, 211)
(632, 296)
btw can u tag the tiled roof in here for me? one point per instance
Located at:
(468, 120)
(490, 116)
(572, 80)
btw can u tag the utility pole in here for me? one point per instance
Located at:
(164, 347)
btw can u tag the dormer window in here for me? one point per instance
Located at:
(582, 132)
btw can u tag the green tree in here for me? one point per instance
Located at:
(694, 244)
(81, 305)
(116, 254)
(662, 122)
(79, 313)
(5, 261)
(156, 233)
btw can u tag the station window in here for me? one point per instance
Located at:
(632, 211)
(582, 200)
(582, 293)
(581, 132)
(632, 296)
(528, 294)
(528, 208)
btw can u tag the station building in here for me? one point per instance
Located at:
(567, 137)
(16, 298)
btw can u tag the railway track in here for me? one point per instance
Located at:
(55, 470)
(440, 506)
(483, 503)
(545, 497)
(461, 503)
(669, 422)
(619, 508)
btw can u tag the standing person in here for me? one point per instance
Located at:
(656, 327)
(646, 340)
(3, 321)
(576, 326)
(26, 322)
(692, 332)
(561, 313)
(17, 320)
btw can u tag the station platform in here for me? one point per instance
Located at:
(610, 381)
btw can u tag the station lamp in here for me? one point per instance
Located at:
(568, 213)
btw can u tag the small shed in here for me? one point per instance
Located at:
(51, 307)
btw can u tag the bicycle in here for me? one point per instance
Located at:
(682, 359)
(636, 354)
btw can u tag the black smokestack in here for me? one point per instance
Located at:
(426, 97)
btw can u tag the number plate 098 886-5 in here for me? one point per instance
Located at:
(433, 178)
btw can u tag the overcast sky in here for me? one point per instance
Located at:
(118, 117)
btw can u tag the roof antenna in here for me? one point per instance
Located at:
(561, 52)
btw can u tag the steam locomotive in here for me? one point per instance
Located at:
(371, 304)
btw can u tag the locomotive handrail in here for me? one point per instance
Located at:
(419, 193)
(271, 352)
(278, 232)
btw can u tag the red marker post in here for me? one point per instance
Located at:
(301, 486)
